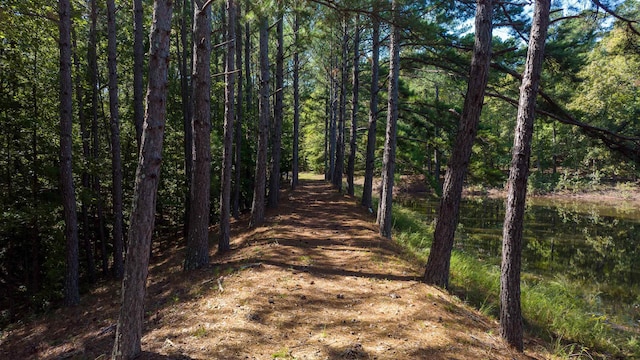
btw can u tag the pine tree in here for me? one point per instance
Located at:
(389, 155)
(227, 152)
(130, 321)
(437, 270)
(197, 252)
(510, 309)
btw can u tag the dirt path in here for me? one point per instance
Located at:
(315, 282)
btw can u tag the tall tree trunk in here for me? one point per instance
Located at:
(510, 312)
(71, 288)
(354, 112)
(116, 161)
(251, 112)
(185, 92)
(92, 59)
(257, 207)
(34, 278)
(327, 120)
(339, 166)
(235, 207)
(274, 180)
(296, 103)
(389, 156)
(138, 69)
(227, 152)
(86, 155)
(437, 269)
(247, 63)
(333, 100)
(130, 320)
(436, 152)
(197, 252)
(367, 189)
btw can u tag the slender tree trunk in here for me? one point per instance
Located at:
(247, 63)
(389, 156)
(227, 152)
(92, 59)
(436, 152)
(130, 321)
(187, 114)
(340, 144)
(327, 120)
(235, 208)
(197, 252)
(354, 112)
(333, 118)
(138, 69)
(510, 312)
(373, 113)
(554, 157)
(71, 288)
(437, 269)
(296, 104)
(257, 207)
(116, 161)
(86, 154)
(274, 180)
(251, 112)
(34, 281)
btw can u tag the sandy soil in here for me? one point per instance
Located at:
(315, 282)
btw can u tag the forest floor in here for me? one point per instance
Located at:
(314, 282)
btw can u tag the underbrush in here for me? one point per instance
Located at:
(575, 182)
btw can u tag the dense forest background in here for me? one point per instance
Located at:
(586, 132)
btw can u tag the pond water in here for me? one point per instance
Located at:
(593, 243)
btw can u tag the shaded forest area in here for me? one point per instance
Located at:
(240, 97)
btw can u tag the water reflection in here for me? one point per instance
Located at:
(583, 241)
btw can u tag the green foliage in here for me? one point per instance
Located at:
(283, 353)
(559, 308)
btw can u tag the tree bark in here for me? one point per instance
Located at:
(389, 156)
(342, 109)
(227, 152)
(36, 242)
(333, 117)
(257, 207)
(247, 201)
(86, 155)
(437, 269)
(354, 111)
(367, 189)
(327, 120)
(71, 288)
(92, 59)
(247, 62)
(187, 112)
(197, 252)
(138, 69)
(116, 160)
(274, 179)
(130, 321)
(296, 103)
(510, 311)
(235, 208)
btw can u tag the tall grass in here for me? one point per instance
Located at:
(560, 310)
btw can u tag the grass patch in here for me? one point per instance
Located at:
(558, 309)
(283, 353)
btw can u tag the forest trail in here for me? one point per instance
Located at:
(314, 282)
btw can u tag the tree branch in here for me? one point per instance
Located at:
(629, 22)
